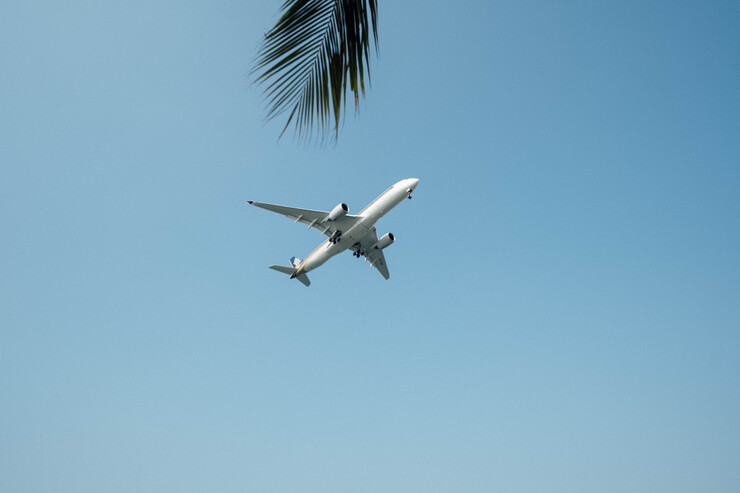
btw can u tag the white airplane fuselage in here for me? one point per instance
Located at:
(369, 216)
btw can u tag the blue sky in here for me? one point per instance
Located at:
(562, 313)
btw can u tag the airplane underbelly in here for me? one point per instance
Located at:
(328, 250)
(355, 234)
(317, 259)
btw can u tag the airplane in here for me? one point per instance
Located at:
(345, 231)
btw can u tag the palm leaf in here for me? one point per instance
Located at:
(315, 51)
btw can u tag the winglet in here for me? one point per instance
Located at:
(250, 202)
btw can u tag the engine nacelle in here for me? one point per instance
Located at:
(385, 241)
(338, 212)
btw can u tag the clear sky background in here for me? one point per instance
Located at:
(563, 312)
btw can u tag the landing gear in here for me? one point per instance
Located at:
(408, 193)
(335, 238)
(358, 250)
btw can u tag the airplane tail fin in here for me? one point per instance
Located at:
(295, 263)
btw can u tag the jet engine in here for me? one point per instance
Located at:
(338, 212)
(385, 241)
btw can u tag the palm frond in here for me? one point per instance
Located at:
(315, 51)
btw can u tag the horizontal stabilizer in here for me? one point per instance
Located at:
(283, 269)
(304, 279)
(290, 271)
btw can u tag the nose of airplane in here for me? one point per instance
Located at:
(414, 182)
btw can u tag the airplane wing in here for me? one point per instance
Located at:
(315, 219)
(374, 255)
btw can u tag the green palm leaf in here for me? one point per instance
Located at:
(315, 51)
